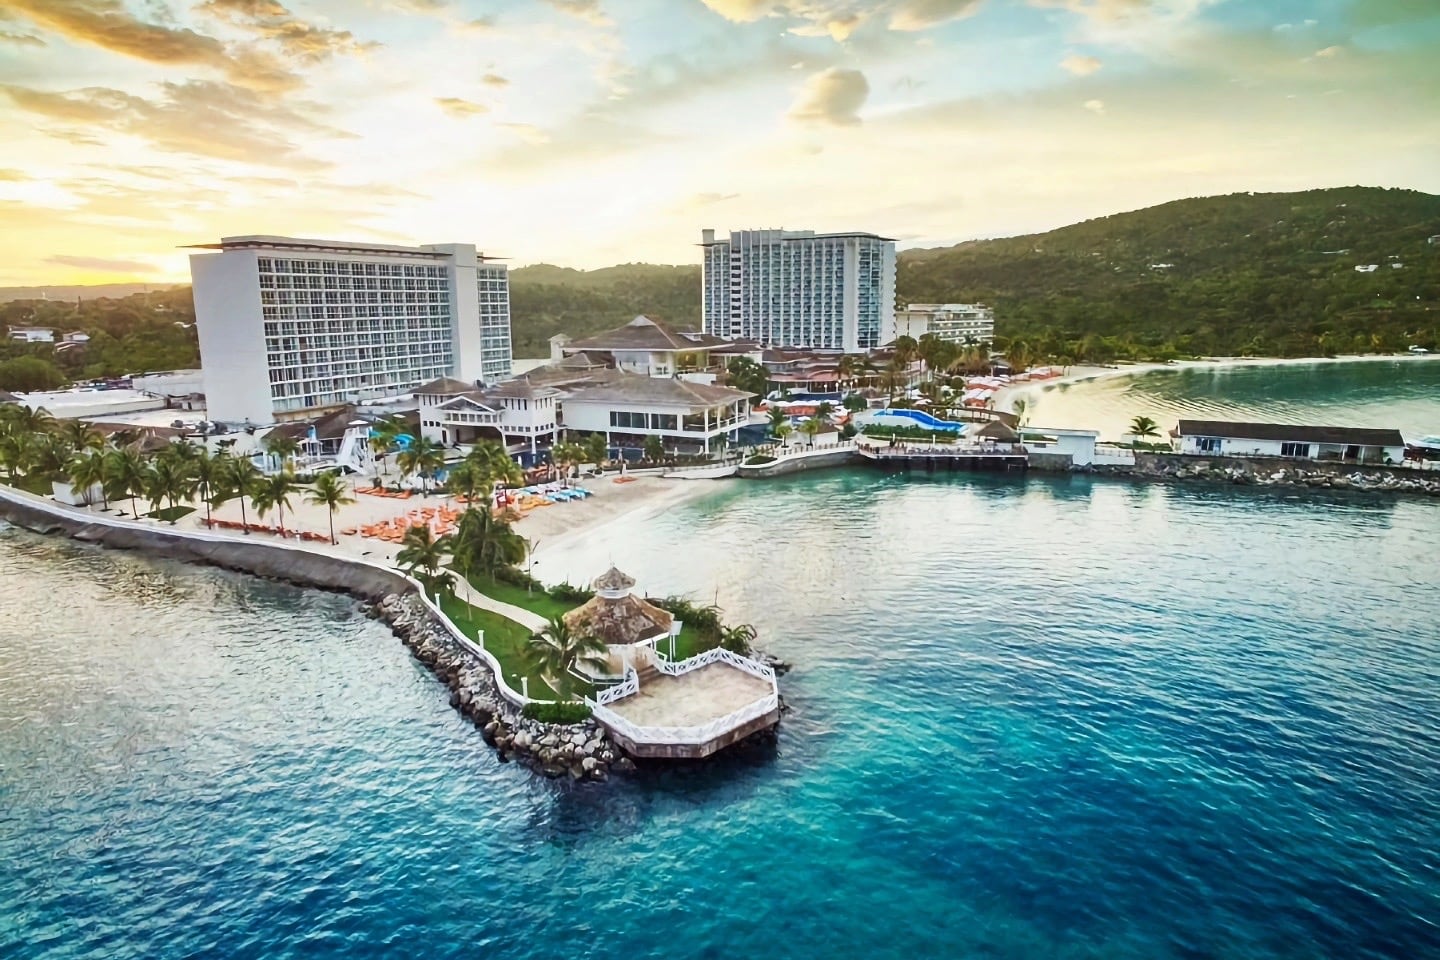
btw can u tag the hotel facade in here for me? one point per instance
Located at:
(289, 327)
(962, 323)
(797, 288)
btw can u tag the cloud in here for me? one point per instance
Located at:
(198, 117)
(1100, 9)
(587, 10)
(271, 21)
(1330, 52)
(460, 108)
(109, 25)
(833, 96)
(101, 263)
(494, 80)
(527, 132)
(21, 39)
(1095, 106)
(923, 14)
(12, 176)
(1081, 66)
(709, 199)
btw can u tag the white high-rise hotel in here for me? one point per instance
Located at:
(797, 288)
(290, 326)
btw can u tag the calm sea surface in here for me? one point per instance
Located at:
(1404, 394)
(1031, 719)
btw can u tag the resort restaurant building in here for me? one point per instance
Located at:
(1222, 438)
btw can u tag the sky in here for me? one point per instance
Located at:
(592, 132)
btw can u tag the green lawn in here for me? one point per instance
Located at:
(171, 514)
(536, 602)
(504, 639)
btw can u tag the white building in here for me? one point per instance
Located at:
(1219, 438)
(678, 411)
(289, 326)
(955, 322)
(799, 288)
(649, 348)
(453, 413)
(32, 334)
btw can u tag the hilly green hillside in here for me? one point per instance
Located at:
(1247, 274)
(546, 300)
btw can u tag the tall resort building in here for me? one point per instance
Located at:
(289, 327)
(799, 288)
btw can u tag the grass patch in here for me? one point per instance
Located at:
(690, 642)
(38, 485)
(537, 601)
(505, 640)
(171, 514)
(557, 712)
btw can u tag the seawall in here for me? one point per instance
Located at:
(799, 463)
(477, 689)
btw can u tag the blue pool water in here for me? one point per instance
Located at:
(1031, 719)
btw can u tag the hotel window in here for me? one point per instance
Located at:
(1207, 444)
(1301, 450)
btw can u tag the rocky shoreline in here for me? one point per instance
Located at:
(581, 751)
(1276, 472)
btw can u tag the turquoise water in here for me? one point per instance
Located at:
(1031, 718)
(1402, 394)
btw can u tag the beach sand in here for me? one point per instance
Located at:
(549, 527)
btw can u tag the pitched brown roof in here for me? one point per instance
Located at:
(997, 430)
(7, 397)
(445, 387)
(627, 619)
(521, 389)
(613, 579)
(1290, 433)
(634, 388)
(642, 333)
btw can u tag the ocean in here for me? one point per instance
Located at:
(1403, 394)
(1053, 717)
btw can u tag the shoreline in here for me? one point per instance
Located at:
(1006, 396)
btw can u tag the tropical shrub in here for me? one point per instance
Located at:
(562, 713)
(569, 593)
(758, 459)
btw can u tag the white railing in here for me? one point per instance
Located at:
(625, 688)
(686, 736)
(716, 655)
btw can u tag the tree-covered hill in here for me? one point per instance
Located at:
(1247, 273)
(546, 300)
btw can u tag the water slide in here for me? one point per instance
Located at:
(355, 449)
(920, 418)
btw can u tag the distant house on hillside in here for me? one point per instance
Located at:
(1221, 438)
(33, 334)
(1366, 267)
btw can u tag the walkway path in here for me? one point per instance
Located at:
(530, 621)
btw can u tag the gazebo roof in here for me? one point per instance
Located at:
(997, 430)
(613, 579)
(620, 620)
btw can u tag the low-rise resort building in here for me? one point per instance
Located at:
(1220, 438)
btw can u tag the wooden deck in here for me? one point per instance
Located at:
(942, 458)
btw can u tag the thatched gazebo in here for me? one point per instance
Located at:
(999, 431)
(624, 621)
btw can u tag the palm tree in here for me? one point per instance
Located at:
(126, 474)
(738, 639)
(282, 447)
(1143, 427)
(907, 351)
(421, 550)
(654, 448)
(80, 436)
(169, 480)
(850, 368)
(556, 650)
(87, 471)
(275, 491)
(422, 457)
(484, 544)
(493, 464)
(597, 449)
(239, 478)
(565, 456)
(782, 432)
(209, 474)
(382, 439)
(330, 492)
(778, 416)
(466, 480)
(811, 428)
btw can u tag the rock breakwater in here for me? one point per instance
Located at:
(581, 751)
(1277, 472)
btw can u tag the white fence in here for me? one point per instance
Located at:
(625, 688)
(686, 736)
(716, 655)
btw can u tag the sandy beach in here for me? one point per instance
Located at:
(550, 528)
(1006, 396)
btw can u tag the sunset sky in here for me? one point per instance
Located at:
(592, 132)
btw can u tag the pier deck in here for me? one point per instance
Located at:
(948, 458)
